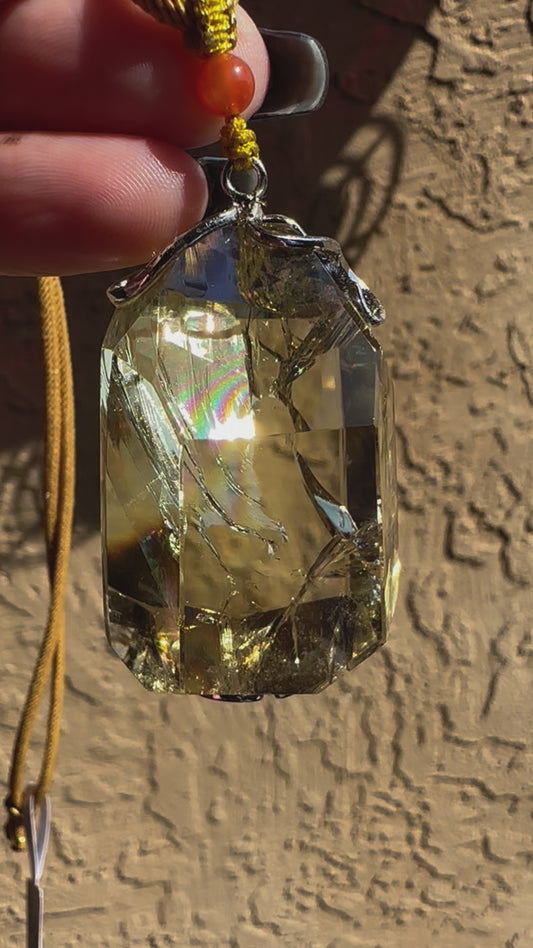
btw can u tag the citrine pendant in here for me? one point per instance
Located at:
(248, 464)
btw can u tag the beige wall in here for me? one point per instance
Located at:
(393, 810)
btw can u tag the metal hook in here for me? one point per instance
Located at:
(246, 192)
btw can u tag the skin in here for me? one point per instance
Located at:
(97, 107)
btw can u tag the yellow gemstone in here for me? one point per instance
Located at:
(248, 473)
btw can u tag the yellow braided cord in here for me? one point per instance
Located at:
(216, 24)
(59, 504)
(209, 25)
(239, 144)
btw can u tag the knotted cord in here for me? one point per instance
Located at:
(239, 144)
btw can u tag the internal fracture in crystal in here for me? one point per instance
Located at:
(248, 474)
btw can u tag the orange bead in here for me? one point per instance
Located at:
(225, 85)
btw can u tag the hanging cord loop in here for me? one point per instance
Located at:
(59, 505)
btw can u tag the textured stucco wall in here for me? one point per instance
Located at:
(393, 810)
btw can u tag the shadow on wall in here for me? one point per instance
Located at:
(320, 170)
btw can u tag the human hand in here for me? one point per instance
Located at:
(96, 109)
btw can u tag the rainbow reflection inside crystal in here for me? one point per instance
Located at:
(248, 473)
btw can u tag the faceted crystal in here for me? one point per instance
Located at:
(249, 499)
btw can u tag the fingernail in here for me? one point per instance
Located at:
(299, 74)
